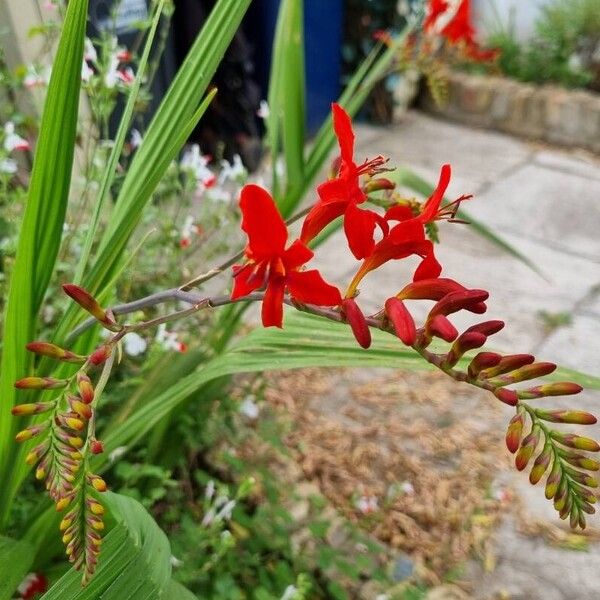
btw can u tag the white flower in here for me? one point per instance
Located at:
(263, 111)
(175, 562)
(8, 165)
(89, 51)
(225, 512)
(168, 339)
(117, 453)
(232, 171)
(249, 408)
(209, 492)
(197, 162)
(367, 504)
(289, 592)
(188, 229)
(34, 79)
(86, 71)
(13, 141)
(50, 5)
(136, 139)
(134, 344)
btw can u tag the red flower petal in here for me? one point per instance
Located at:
(359, 226)
(319, 217)
(246, 279)
(272, 306)
(267, 232)
(429, 268)
(342, 126)
(432, 206)
(296, 255)
(311, 288)
(399, 213)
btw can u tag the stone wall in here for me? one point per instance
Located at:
(545, 113)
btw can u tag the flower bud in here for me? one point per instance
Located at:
(79, 407)
(525, 373)
(553, 480)
(54, 351)
(402, 321)
(34, 455)
(71, 422)
(541, 464)
(577, 417)
(464, 343)
(582, 461)
(96, 446)
(528, 446)
(90, 304)
(96, 482)
(483, 360)
(86, 390)
(564, 388)
(440, 326)
(429, 289)
(64, 502)
(95, 507)
(32, 409)
(461, 300)
(40, 383)
(375, 185)
(356, 319)
(507, 396)
(583, 479)
(30, 432)
(576, 441)
(487, 328)
(100, 355)
(514, 432)
(507, 364)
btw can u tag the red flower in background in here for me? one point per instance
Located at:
(273, 266)
(452, 19)
(342, 194)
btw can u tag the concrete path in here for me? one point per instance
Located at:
(545, 202)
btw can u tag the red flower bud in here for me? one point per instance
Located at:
(441, 327)
(86, 390)
(507, 364)
(514, 432)
(402, 321)
(465, 342)
(96, 446)
(100, 355)
(563, 388)
(507, 396)
(30, 432)
(91, 305)
(32, 409)
(483, 360)
(461, 300)
(54, 351)
(81, 408)
(429, 289)
(40, 383)
(487, 328)
(356, 319)
(525, 373)
(541, 464)
(528, 446)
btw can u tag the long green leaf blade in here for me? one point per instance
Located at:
(41, 230)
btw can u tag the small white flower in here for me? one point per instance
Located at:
(367, 504)
(86, 71)
(209, 492)
(249, 408)
(188, 229)
(136, 139)
(197, 162)
(263, 111)
(13, 141)
(89, 51)
(232, 171)
(209, 517)
(49, 5)
(407, 488)
(117, 453)
(289, 592)
(168, 339)
(35, 79)
(134, 344)
(8, 166)
(225, 512)
(175, 562)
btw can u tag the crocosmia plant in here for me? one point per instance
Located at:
(272, 270)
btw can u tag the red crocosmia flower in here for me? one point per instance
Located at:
(407, 238)
(342, 194)
(273, 266)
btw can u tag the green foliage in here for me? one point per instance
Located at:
(561, 49)
(15, 561)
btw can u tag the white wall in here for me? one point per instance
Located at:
(523, 14)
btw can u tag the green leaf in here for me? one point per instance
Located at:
(287, 99)
(41, 229)
(134, 561)
(16, 558)
(412, 181)
(178, 592)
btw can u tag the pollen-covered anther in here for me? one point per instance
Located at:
(464, 343)
(401, 320)
(40, 383)
(357, 321)
(440, 326)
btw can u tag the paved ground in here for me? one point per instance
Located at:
(546, 202)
